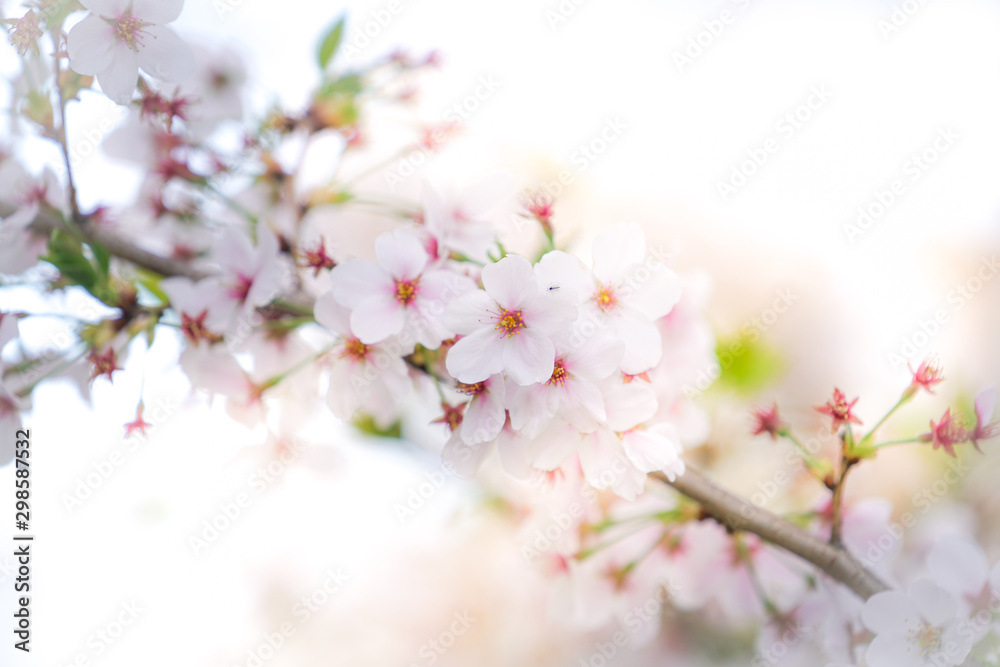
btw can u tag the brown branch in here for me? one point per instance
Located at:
(732, 511)
(736, 513)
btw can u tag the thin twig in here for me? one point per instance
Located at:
(737, 513)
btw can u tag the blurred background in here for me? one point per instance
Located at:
(842, 157)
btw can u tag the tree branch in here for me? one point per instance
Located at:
(737, 513)
(732, 511)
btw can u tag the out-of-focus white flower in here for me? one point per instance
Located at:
(920, 628)
(122, 36)
(400, 294)
(458, 219)
(368, 378)
(253, 275)
(11, 404)
(508, 327)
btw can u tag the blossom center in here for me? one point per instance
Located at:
(510, 323)
(606, 299)
(471, 389)
(129, 31)
(355, 349)
(559, 374)
(406, 290)
(195, 330)
(926, 638)
(241, 289)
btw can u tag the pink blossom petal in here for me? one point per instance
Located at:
(515, 454)
(528, 357)
(986, 402)
(118, 81)
(377, 318)
(656, 296)
(401, 254)
(355, 280)
(583, 404)
(164, 55)
(462, 458)
(652, 449)
(563, 270)
(510, 281)
(934, 603)
(958, 564)
(559, 441)
(157, 11)
(892, 651)
(332, 315)
(628, 405)
(995, 579)
(485, 414)
(441, 288)
(475, 357)
(470, 312)
(617, 252)
(886, 613)
(109, 8)
(550, 311)
(90, 45)
(596, 356)
(643, 345)
(531, 408)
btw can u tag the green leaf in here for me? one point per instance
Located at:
(102, 256)
(331, 42)
(366, 424)
(747, 365)
(151, 281)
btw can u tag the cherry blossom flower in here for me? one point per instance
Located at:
(458, 220)
(926, 377)
(121, 36)
(839, 409)
(984, 428)
(372, 379)
(202, 307)
(572, 391)
(484, 413)
(252, 276)
(958, 564)
(919, 628)
(626, 290)
(946, 433)
(11, 403)
(508, 327)
(766, 420)
(399, 294)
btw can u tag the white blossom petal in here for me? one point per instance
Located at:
(510, 281)
(475, 357)
(958, 564)
(157, 11)
(165, 56)
(528, 356)
(118, 81)
(377, 318)
(91, 46)
(401, 253)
